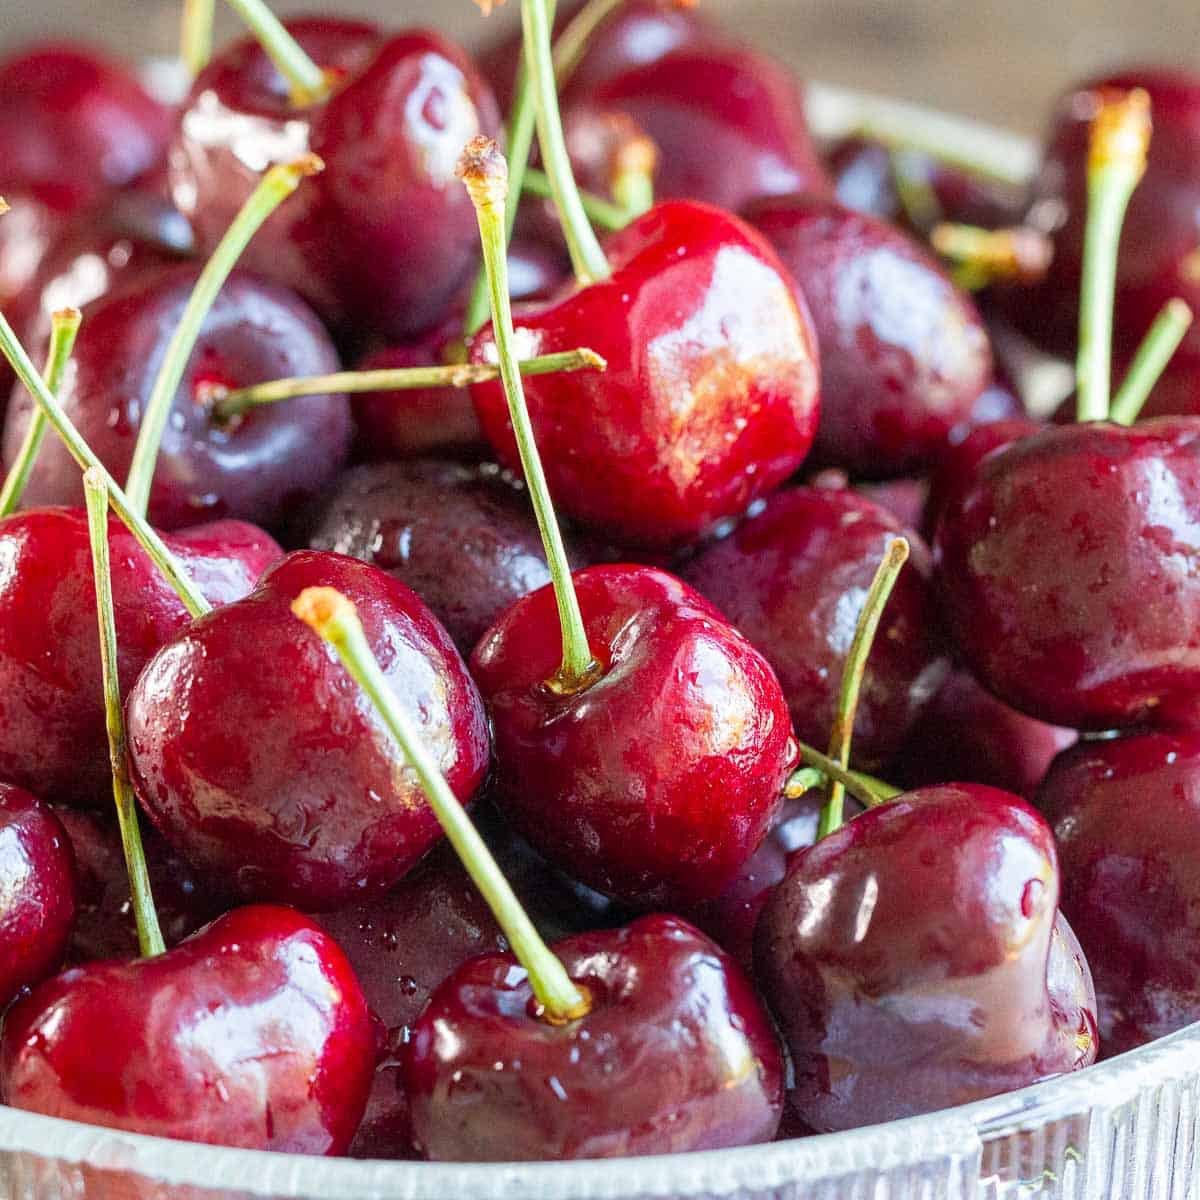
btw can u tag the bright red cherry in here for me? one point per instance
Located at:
(1066, 575)
(908, 960)
(710, 396)
(257, 467)
(252, 1033)
(259, 758)
(38, 897)
(904, 353)
(657, 781)
(676, 1054)
(384, 239)
(51, 695)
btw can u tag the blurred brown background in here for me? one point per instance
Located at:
(1000, 59)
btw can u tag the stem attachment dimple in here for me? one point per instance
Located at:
(307, 82)
(1160, 343)
(333, 618)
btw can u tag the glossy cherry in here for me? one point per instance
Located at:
(262, 762)
(51, 699)
(657, 781)
(904, 353)
(676, 1054)
(710, 396)
(252, 1033)
(1066, 576)
(908, 960)
(384, 239)
(257, 467)
(38, 896)
(793, 578)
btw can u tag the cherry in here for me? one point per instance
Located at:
(383, 242)
(907, 959)
(258, 468)
(677, 1053)
(793, 579)
(74, 121)
(904, 353)
(656, 782)
(34, 222)
(462, 537)
(905, 499)
(709, 399)
(252, 1033)
(1065, 573)
(255, 756)
(51, 700)
(37, 891)
(1125, 815)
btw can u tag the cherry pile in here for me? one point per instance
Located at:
(319, 716)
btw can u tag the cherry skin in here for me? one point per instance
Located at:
(260, 759)
(257, 467)
(36, 219)
(463, 537)
(253, 1033)
(710, 396)
(904, 353)
(38, 896)
(655, 783)
(676, 1054)
(384, 239)
(1126, 813)
(51, 692)
(906, 959)
(1065, 573)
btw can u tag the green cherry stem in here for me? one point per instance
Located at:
(196, 35)
(866, 789)
(309, 84)
(275, 187)
(985, 256)
(1119, 140)
(64, 325)
(333, 618)
(483, 170)
(150, 939)
(82, 453)
(894, 558)
(230, 403)
(602, 212)
(1158, 346)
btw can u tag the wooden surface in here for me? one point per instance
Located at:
(1000, 59)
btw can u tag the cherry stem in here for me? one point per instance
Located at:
(602, 212)
(573, 41)
(587, 257)
(230, 403)
(64, 326)
(986, 256)
(82, 453)
(196, 35)
(866, 789)
(275, 187)
(1119, 140)
(334, 619)
(894, 558)
(307, 82)
(150, 938)
(483, 170)
(1155, 352)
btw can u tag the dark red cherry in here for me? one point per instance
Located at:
(1066, 575)
(74, 120)
(384, 239)
(905, 499)
(51, 693)
(38, 895)
(1126, 813)
(676, 1054)
(793, 579)
(656, 782)
(904, 353)
(728, 121)
(252, 1033)
(262, 761)
(710, 396)
(463, 537)
(257, 467)
(907, 958)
